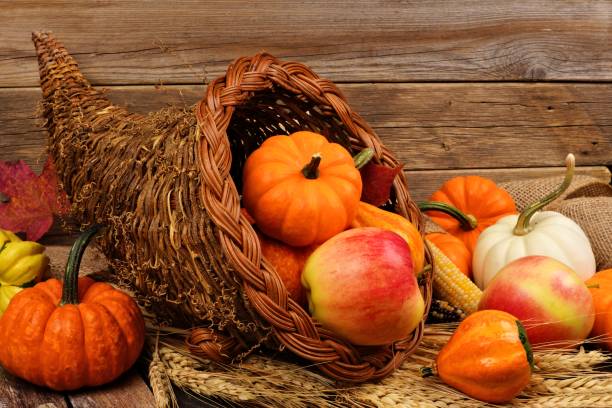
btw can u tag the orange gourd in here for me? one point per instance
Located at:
(371, 216)
(288, 262)
(488, 357)
(301, 189)
(81, 333)
(454, 249)
(600, 286)
(469, 204)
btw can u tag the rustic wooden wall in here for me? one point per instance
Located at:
(503, 89)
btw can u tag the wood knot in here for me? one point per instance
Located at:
(210, 344)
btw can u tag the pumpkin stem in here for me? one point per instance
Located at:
(522, 225)
(363, 157)
(311, 170)
(70, 291)
(467, 221)
(525, 342)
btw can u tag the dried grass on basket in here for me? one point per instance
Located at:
(167, 187)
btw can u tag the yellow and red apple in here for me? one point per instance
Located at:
(361, 285)
(547, 296)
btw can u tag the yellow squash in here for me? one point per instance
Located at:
(21, 263)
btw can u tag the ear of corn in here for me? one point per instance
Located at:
(451, 285)
(443, 312)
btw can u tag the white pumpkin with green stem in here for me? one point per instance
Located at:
(534, 232)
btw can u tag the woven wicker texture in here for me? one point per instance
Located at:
(167, 187)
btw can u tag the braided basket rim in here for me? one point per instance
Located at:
(267, 296)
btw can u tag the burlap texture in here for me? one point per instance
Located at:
(525, 192)
(587, 201)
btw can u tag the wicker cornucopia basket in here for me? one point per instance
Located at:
(167, 186)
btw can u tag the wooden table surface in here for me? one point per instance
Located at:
(500, 89)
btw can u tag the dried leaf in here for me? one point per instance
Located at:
(32, 199)
(377, 181)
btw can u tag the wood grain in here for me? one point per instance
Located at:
(140, 42)
(129, 391)
(429, 126)
(17, 393)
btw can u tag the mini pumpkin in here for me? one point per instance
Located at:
(81, 333)
(301, 189)
(454, 249)
(600, 286)
(488, 357)
(464, 206)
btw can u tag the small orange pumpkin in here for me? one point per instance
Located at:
(469, 204)
(454, 249)
(301, 189)
(81, 333)
(488, 357)
(600, 286)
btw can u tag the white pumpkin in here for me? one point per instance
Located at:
(551, 234)
(546, 233)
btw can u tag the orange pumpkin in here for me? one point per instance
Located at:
(488, 357)
(454, 249)
(81, 333)
(288, 262)
(470, 204)
(600, 286)
(301, 189)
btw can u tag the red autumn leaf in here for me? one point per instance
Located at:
(33, 200)
(377, 181)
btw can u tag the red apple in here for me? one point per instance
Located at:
(360, 284)
(547, 296)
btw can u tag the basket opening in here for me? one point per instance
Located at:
(278, 112)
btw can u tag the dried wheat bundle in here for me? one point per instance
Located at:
(563, 378)
(166, 186)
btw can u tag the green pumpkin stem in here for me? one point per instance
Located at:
(363, 157)
(311, 170)
(525, 342)
(467, 221)
(70, 291)
(522, 225)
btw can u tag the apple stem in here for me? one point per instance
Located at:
(522, 225)
(363, 157)
(311, 170)
(467, 221)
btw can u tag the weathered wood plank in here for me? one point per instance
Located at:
(129, 391)
(136, 42)
(423, 183)
(17, 393)
(429, 126)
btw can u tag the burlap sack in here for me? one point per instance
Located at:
(588, 201)
(594, 215)
(526, 192)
